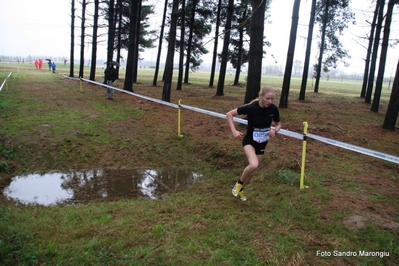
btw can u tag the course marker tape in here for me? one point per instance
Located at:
(372, 153)
(4, 82)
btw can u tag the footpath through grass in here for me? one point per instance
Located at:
(47, 124)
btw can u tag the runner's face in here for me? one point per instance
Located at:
(267, 99)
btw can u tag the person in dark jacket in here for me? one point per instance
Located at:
(110, 76)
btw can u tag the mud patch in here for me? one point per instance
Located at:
(361, 221)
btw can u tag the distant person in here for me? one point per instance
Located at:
(37, 64)
(110, 76)
(49, 65)
(53, 66)
(65, 61)
(40, 63)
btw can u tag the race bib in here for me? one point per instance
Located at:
(261, 134)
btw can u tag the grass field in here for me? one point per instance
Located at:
(349, 215)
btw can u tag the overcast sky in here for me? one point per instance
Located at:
(42, 28)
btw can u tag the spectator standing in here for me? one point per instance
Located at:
(110, 76)
(53, 66)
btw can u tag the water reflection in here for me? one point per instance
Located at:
(102, 184)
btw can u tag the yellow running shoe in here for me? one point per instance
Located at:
(237, 187)
(242, 196)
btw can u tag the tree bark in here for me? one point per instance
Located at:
(323, 38)
(226, 42)
(82, 41)
(72, 56)
(393, 107)
(290, 56)
(215, 47)
(370, 82)
(255, 50)
(154, 82)
(383, 57)
(171, 53)
(305, 73)
(94, 47)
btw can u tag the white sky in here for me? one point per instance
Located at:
(42, 28)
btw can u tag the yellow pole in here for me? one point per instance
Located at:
(178, 120)
(81, 86)
(305, 132)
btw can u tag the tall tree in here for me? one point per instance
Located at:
(154, 82)
(94, 46)
(134, 18)
(119, 18)
(393, 107)
(190, 39)
(226, 41)
(238, 54)
(215, 45)
(305, 73)
(82, 39)
(111, 31)
(255, 50)
(383, 57)
(182, 44)
(369, 52)
(333, 16)
(323, 37)
(72, 52)
(290, 56)
(198, 18)
(376, 44)
(171, 53)
(137, 48)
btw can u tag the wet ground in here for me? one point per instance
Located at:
(100, 184)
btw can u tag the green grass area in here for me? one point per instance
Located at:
(48, 123)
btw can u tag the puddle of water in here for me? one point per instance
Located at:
(106, 184)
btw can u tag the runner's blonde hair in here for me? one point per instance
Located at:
(263, 91)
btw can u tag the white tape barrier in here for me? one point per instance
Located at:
(376, 154)
(4, 82)
(134, 94)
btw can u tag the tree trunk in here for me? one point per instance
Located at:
(120, 17)
(215, 47)
(226, 42)
(134, 6)
(82, 41)
(305, 73)
(368, 55)
(323, 38)
(190, 41)
(154, 82)
(255, 50)
(240, 44)
(111, 34)
(94, 47)
(182, 45)
(171, 53)
(72, 57)
(393, 107)
(290, 56)
(136, 49)
(373, 63)
(383, 57)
